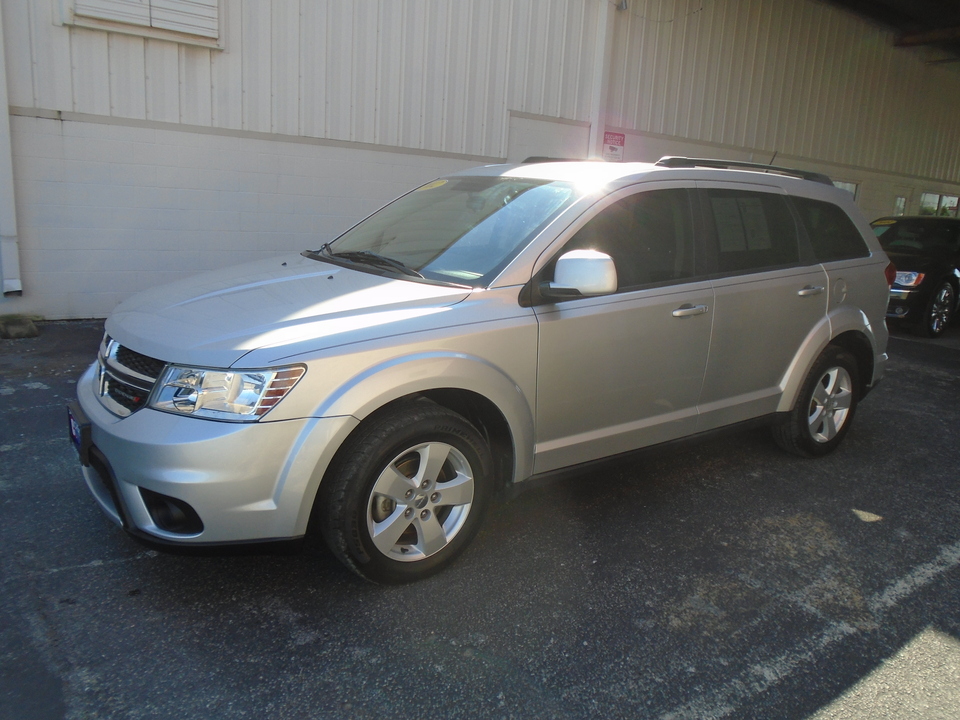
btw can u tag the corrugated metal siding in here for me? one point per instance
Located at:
(424, 74)
(795, 77)
(798, 78)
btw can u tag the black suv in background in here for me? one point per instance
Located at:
(926, 251)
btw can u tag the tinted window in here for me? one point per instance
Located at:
(918, 237)
(753, 230)
(832, 233)
(649, 236)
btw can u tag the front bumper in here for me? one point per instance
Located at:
(247, 482)
(906, 305)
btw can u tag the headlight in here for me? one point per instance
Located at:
(909, 279)
(237, 395)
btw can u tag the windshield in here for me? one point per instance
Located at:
(918, 237)
(461, 230)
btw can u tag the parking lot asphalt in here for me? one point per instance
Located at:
(718, 579)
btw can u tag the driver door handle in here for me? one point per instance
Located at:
(810, 290)
(688, 310)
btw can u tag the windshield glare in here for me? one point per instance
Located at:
(461, 230)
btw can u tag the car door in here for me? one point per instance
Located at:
(770, 293)
(624, 370)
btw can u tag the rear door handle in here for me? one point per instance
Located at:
(688, 310)
(810, 290)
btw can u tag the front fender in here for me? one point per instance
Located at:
(407, 375)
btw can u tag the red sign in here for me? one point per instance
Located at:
(613, 146)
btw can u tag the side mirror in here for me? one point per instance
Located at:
(581, 273)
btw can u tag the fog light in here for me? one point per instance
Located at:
(899, 311)
(171, 514)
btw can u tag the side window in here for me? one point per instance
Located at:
(832, 233)
(649, 236)
(754, 230)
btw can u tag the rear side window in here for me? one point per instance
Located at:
(832, 233)
(754, 230)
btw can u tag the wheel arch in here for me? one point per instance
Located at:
(858, 345)
(848, 329)
(479, 391)
(953, 277)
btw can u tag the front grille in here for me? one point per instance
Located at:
(141, 364)
(126, 377)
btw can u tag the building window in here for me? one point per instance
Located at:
(848, 186)
(935, 204)
(899, 205)
(173, 19)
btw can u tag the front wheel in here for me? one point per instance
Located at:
(407, 493)
(939, 310)
(825, 407)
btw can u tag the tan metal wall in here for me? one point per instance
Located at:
(795, 77)
(434, 75)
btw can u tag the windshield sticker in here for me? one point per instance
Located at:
(431, 185)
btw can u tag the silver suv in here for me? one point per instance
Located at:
(491, 326)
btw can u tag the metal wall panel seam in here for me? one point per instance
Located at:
(11, 281)
(747, 70)
(421, 120)
(445, 99)
(127, 76)
(755, 100)
(829, 132)
(691, 47)
(848, 91)
(504, 108)
(194, 65)
(563, 70)
(469, 63)
(811, 87)
(50, 57)
(711, 81)
(820, 140)
(772, 88)
(285, 67)
(19, 64)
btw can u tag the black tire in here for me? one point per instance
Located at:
(939, 311)
(825, 407)
(381, 510)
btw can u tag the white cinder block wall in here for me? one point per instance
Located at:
(105, 210)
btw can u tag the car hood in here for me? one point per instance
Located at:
(215, 319)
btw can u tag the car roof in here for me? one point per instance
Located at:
(598, 173)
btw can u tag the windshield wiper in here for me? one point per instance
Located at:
(319, 253)
(367, 257)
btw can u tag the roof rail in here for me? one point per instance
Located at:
(685, 162)
(545, 159)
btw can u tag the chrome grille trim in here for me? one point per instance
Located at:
(125, 378)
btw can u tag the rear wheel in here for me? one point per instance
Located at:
(825, 407)
(939, 310)
(407, 493)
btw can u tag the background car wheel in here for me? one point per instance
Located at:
(939, 311)
(407, 493)
(825, 407)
